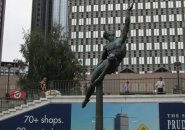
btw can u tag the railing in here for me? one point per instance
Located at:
(110, 87)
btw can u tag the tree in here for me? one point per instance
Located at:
(49, 56)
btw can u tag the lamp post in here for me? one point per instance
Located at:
(8, 86)
(177, 64)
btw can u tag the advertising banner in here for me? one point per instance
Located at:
(116, 116)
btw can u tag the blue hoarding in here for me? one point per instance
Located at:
(137, 116)
(49, 117)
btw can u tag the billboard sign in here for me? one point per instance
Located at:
(130, 116)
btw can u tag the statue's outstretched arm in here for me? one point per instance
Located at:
(125, 29)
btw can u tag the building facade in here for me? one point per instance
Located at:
(156, 38)
(121, 122)
(2, 17)
(60, 13)
(46, 13)
(41, 15)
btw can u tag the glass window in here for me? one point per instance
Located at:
(87, 48)
(156, 32)
(155, 5)
(88, 8)
(148, 32)
(141, 60)
(88, 34)
(74, 9)
(172, 45)
(95, 61)
(73, 21)
(125, 6)
(133, 32)
(117, 7)
(170, 4)
(163, 4)
(88, 21)
(156, 46)
(80, 48)
(149, 46)
(125, 61)
(157, 60)
(95, 7)
(140, 19)
(95, 34)
(147, 5)
(179, 31)
(95, 20)
(148, 18)
(87, 61)
(102, 33)
(133, 46)
(133, 60)
(95, 47)
(180, 45)
(141, 46)
(81, 21)
(140, 5)
(156, 18)
(149, 60)
(81, 8)
(141, 32)
(163, 18)
(173, 59)
(181, 59)
(118, 33)
(103, 7)
(73, 35)
(103, 21)
(164, 31)
(80, 34)
(110, 7)
(118, 20)
(172, 31)
(165, 60)
(171, 17)
(178, 4)
(164, 45)
(110, 20)
(179, 17)
(73, 48)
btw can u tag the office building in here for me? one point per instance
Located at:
(46, 13)
(121, 122)
(156, 38)
(60, 13)
(41, 15)
(2, 17)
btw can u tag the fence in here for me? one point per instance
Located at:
(110, 87)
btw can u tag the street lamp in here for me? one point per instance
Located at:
(8, 87)
(177, 64)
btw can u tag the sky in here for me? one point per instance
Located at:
(17, 19)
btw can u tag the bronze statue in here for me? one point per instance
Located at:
(113, 54)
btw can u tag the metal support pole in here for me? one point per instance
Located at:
(178, 79)
(99, 107)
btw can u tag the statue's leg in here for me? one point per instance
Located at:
(96, 73)
(102, 75)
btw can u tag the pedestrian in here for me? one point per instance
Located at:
(43, 87)
(160, 84)
(126, 87)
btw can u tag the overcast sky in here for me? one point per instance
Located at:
(17, 18)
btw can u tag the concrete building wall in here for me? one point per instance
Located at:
(156, 38)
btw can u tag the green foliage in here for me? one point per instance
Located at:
(49, 56)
